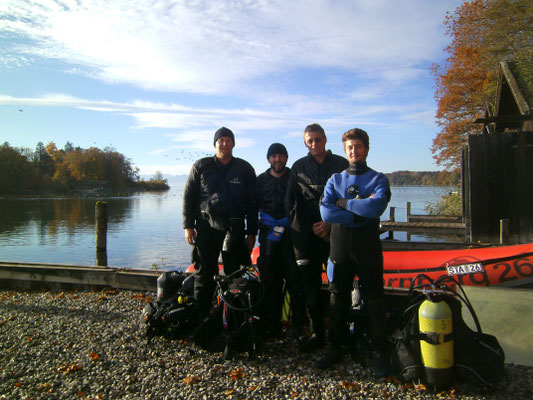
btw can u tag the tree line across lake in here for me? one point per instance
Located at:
(70, 170)
(424, 178)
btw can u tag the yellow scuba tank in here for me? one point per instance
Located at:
(436, 348)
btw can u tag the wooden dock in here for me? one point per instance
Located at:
(436, 228)
(64, 276)
(423, 224)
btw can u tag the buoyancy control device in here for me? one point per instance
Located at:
(175, 309)
(232, 326)
(433, 343)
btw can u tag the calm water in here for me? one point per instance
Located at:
(143, 229)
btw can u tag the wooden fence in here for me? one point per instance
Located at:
(498, 185)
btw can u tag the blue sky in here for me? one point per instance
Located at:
(156, 78)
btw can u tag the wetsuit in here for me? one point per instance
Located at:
(276, 256)
(305, 188)
(353, 202)
(219, 202)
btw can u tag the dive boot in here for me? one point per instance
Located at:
(312, 343)
(332, 357)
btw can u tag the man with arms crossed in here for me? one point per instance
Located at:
(353, 202)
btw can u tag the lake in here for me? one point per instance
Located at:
(143, 229)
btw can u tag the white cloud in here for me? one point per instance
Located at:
(222, 46)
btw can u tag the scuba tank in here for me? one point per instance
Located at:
(436, 344)
(168, 284)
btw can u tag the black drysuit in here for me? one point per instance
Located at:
(276, 257)
(219, 202)
(305, 188)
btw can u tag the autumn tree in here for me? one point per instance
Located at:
(484, 33)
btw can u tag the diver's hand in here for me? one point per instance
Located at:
(190, 236)
(322, 230)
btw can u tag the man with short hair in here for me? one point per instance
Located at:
(276, 256)
(219, 214)
(353, 203)
(309, 233)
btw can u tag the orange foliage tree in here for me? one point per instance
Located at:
(483, 32)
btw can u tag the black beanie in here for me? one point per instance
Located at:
(223, 132)
(276, 148)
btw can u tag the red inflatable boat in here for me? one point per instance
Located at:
(487, 266)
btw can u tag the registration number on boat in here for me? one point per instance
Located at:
(464, 269)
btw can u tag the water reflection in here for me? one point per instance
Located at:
(143, 230)
(61, 230)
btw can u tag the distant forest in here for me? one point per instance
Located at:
(48, 169)
(424, 178)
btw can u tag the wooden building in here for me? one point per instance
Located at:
(498, 165)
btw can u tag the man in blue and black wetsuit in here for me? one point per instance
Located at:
(276, 257)
(353, 203)
(219, 215)
(309, 233)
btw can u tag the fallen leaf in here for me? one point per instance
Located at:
(110, 291)
(60, 295)
(18, 384)
(69, 368)
(229, 391)
(191, 380)
(421, 387)
(44, 386)
(237, 374)
(94, 356)
(80, 394)
(294, 394)
(349, 385)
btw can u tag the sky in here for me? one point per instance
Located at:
(154, 79)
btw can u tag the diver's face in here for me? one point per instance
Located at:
(355, 150)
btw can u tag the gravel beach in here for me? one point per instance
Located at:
(90, 345)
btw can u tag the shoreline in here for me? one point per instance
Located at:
(90, 344)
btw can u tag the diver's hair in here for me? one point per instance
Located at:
(354, 134)
(315, 128)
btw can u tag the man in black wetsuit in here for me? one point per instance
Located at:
(310, 235)
(219, 214)
(276, 256)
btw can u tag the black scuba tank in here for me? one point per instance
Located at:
(168, 284)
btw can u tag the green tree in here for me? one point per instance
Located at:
(15, 170)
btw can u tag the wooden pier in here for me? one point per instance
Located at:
(64, 276)
(424, 224)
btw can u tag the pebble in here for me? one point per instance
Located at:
(91, 345)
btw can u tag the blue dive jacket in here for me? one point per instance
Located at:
(357, 210)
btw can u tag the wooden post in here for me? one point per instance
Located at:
(504, 231)
(408, 208)
(101, 233)
(391, 215)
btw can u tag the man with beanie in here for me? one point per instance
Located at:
(309, 234)
(219, 215)
(353, 203)
(276, 257)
